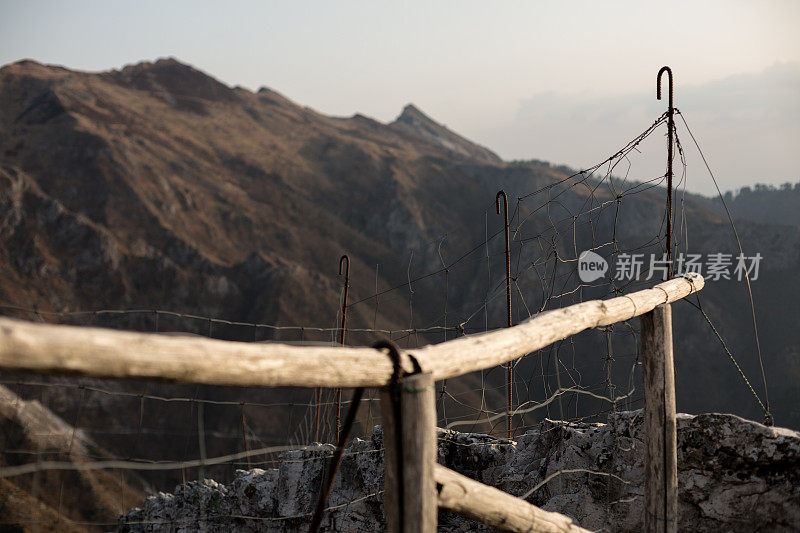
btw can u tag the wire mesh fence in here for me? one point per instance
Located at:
(125, 440)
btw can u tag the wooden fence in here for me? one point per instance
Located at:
(415, 486)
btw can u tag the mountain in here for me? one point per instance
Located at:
(158, 187)
(415, 122)
(166, 180)
(765, 204)
(158, 190)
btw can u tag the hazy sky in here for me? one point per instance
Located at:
(568, 82)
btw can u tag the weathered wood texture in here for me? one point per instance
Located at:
(109, 353)
(415, 485)
(468, 354)
(660, 430)
(496, 508)
(96, 352)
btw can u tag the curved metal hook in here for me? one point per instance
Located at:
(510, 369)
(502, 193)
(658, 84)
(342, 333)
(670, 136)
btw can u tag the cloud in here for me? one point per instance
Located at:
(748, 126)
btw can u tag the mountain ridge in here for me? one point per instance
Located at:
(414, 120)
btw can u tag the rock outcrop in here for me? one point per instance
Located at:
(734, 475)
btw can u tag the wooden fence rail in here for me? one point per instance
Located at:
(105, 353)
(411, 487)
(477, 352)
(494, 507)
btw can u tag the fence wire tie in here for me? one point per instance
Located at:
(396, 389)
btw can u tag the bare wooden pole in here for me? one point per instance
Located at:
(496, 508)
(410, 455)
(318, 400)
(660, 429)
(418, 411)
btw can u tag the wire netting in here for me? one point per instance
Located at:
(134, 438)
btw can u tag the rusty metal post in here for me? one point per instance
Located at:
(510, 368)
(670, 139)
(342, 261)
(318, 398)
(336, 461)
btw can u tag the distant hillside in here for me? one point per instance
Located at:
(170, 186)
(766, 204)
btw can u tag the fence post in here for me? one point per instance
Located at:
(409, 442)
(660, 430)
